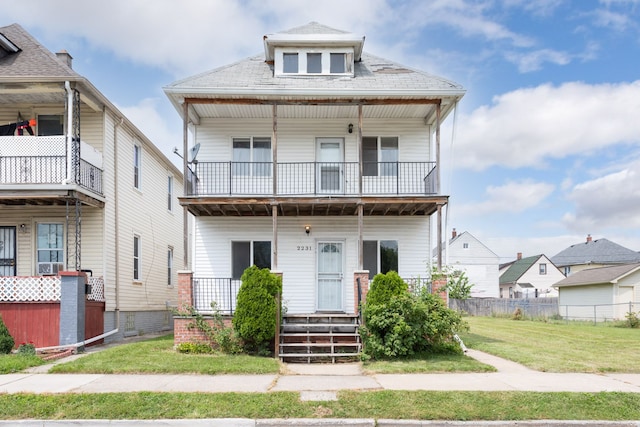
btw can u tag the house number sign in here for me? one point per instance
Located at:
(303, 247)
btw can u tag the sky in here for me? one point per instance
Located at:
(546, 144)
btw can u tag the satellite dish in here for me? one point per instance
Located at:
(193, 152)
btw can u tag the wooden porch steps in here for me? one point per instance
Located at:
(320, 338)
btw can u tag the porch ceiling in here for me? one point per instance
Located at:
(313, 206)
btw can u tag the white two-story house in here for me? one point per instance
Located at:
(81, 188)
(314, 159)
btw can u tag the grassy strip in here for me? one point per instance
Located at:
(557, 347)
(425, 405)
(10, 363)
(157, 356)
(427, 363)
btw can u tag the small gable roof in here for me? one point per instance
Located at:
(601, 275)
(600, 251)
(518, 268)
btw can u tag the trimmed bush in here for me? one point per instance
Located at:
(255, 316)
(385, 287)
(6, 340)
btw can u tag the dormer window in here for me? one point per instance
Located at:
(303, 61)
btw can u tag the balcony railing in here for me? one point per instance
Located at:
(313, 178)
(223, 292)
(42, 160)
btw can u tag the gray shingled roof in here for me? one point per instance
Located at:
(373, 75)
(34, 60)
(596, 276)
(600, 251)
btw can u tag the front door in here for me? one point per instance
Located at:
(7, 251)
(330, 165)
(330, 275)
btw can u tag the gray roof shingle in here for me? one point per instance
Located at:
(600, 251)
(595, 276)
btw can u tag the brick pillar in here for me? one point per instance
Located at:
(185, 289)
(363, 275)
(439, 287)
(72, 307)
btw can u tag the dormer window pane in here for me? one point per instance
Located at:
(290, 63)
(314, 63)
(337, 62)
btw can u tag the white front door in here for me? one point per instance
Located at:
(330, 165)
(330, 275)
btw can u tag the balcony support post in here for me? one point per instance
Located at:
(360, 239)
(439, 237)
(185, 168)
(360, 166)
(274, 149)
(438, 117)
(274, 244)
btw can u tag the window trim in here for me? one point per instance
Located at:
(170, 181)
(137, 258)
(325, 61)
(239, 169)
(62, 248)
(137, 166)
(252, 254)
(379, 248)
(170, 266)
(542, 269)
(382, 168)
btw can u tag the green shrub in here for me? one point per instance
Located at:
(408, 324)
(385, 287)
(27, 349)
(194, 348)
(255, 316)
(633, 321)
(517, 314)
(6, 340)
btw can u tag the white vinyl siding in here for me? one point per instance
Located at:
(577, 302)
(297, 250)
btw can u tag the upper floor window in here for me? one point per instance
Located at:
(380, 156)
(50, 124)
(170, 193)
(252, 156)
(137, 249)
(137, 164)
(543, 269)
(169, 266)
(314, 61)
(465, 246)
(567, 270)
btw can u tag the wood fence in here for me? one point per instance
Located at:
(530, 307)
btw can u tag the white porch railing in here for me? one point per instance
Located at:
(42, 288)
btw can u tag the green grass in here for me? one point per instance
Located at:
(10, 363)
(350, 404)
(157, 356)
(427, 363)
(557, 347)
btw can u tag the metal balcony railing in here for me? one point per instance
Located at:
(42, 160)
(312, 178)
(221, 291)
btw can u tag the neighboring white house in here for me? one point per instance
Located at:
(600, 294)
(480, 264)
(316, 160)
(81, 188)
(592, 254)
(529, 277)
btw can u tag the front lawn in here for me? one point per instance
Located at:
(10, 363)
(427, 364)
(157, 356)
(557, 347)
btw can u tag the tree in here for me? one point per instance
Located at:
(6, 340)
(458, 286)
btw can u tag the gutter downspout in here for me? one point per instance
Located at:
(116, 220)
(67, 87)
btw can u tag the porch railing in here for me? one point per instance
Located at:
(42, 288)
(221, 291)
(42, 160)
(313, 178)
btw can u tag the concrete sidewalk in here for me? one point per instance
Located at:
(322, 381)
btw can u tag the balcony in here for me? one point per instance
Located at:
(313, 179)
(42, 160)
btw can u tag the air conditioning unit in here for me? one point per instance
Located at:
(49, 268)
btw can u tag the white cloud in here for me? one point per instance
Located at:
(512, 197)
(526, 127)
(606, 203)
(533, 61)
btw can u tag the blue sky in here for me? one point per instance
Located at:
(547, 144)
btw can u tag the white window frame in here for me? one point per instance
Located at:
(378, 243)
(251, 254)
(137, 258)
(170, 266)
(542, 269)
(248, 168)
(49, 249)
(137, 166)
(325, 60)
(170, 193)
(383, 170)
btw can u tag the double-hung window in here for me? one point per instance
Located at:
(246, 254)
(252, 156)
(380, 256)
(380, 155)
(169, 266)
(137, 164)
(136, 258)
(50, 243)
(169, 193)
